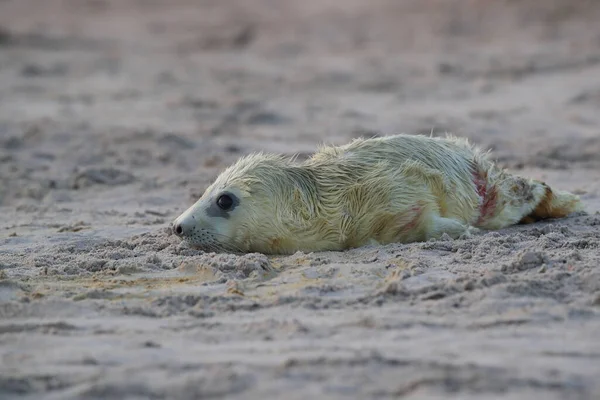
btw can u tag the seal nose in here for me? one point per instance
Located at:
(178, 229)
(182, 226)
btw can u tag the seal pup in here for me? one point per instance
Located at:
(401, 188)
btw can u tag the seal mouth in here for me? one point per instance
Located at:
(204, 240)
(213, 247)
(188, 229)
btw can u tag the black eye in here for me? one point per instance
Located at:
(224, 202)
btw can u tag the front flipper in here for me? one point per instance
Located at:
(437, 226)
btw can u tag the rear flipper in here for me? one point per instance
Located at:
(553, 204)
(521, 201)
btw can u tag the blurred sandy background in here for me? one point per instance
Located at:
(116, 114)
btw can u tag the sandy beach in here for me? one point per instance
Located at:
(115, 115)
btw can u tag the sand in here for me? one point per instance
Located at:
(116, 114)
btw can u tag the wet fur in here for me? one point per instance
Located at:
(401, 188)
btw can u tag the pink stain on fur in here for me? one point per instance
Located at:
(489, 197)
(414, 221)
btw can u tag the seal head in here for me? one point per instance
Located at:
(242, 210)
(207, 220)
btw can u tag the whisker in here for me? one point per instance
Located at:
(211, 248)
(215, 247)
(215, 242)
(229, 246)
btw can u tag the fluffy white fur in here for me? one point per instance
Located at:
(401, 188)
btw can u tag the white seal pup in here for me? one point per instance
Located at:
(401, 188)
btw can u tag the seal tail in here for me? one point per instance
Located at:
(553, 204)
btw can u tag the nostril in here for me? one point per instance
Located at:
(178, 229)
